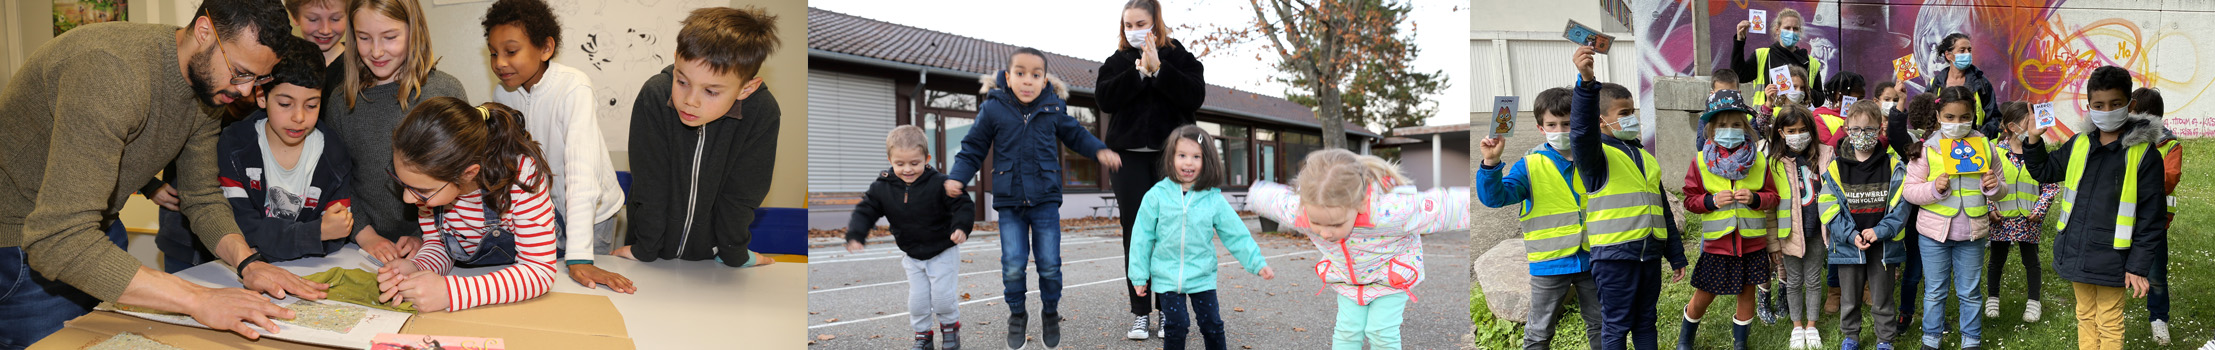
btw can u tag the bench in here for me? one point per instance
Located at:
(1112, 209)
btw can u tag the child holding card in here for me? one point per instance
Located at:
(2019, 215)
(1952, 220)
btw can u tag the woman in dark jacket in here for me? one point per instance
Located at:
(1149, 87)
(1960, 71)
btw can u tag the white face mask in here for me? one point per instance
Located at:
(1798, 141)
(1630, 127)
(1888, 106)
(1137, 37)
(1795, 96)
(2108, 121)
(1560, 141)
(1954, 130)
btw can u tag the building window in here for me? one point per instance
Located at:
(1232, 147)
(1080, 171)
(950, 100)
(1296, 148)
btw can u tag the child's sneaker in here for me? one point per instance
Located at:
(1799, 338)
(1015, 330)
(950, 336)
(922, 341)
(1814, 338)
(1138, 329)
(2161, 332)
(1849, 344)
(1992, 307)
(1884, 346)
(1052, 330)
(2031, 311)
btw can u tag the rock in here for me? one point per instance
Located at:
(1504, 274)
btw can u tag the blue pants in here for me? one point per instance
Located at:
(179, 247)
(1911, 274)
(1173, 320)
(31, 306)
(1629, 292)
(1026, 233)
(1961, 263)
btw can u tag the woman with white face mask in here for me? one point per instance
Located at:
(1151, 85)
(1789, 49)
(1959, 69)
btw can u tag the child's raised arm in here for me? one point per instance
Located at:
(1236, 237)
(1436, 210)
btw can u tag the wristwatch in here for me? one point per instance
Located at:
(249, 260)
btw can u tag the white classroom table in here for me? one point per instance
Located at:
(679, 304)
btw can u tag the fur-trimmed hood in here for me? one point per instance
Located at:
(994, 81)
(2144, 129)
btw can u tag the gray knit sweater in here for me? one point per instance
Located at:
(90, 116)
(367, 131)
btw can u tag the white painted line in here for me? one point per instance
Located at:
(1064, 288)
(897, 256)
(1065, 264)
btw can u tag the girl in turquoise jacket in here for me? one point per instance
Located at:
(1173, 241)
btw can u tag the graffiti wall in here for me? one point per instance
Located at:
(2032, 50)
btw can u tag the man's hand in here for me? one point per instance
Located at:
(277, 282)
(336, 220)
(588, 275)
(166, 197)
(231, 309)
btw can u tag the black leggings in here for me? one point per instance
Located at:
(1131, 182)
(1994, 268)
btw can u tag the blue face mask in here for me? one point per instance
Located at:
(1790, 37)
(1961, 61)
(1730, 138)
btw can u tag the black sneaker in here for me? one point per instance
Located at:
(1052, 331)
(1015, 330)
(922, 341)
(951, 336)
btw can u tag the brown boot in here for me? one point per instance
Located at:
(1830, 301)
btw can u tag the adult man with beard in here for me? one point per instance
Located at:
(93, 114)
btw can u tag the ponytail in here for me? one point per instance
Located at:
(443, 136)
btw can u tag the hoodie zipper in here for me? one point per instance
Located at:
(692, 198)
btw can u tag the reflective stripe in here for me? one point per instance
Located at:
(1622, 230)
(1552, 248)
(1569, 219)
(1624, 200)
(2126, 223)
(1739, 218)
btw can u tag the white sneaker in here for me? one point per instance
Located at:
(1992, 307)
(1799, 338)
(2161, 332)
(1138, 329)
(1814, 338)
(2031, 311)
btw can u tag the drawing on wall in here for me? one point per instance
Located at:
(624, 43)
(70, 14)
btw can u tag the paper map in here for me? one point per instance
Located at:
(314, 322)
(130, 341)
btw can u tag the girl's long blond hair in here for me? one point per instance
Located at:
(1337, 178)
(415, 69)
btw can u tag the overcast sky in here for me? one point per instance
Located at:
(1088, 28)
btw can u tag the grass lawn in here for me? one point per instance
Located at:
(2191, 251)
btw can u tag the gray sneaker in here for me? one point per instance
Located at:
(1138, 329)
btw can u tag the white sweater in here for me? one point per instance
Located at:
(559, 113)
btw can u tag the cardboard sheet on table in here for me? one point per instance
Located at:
(551, 321)
(99, 325)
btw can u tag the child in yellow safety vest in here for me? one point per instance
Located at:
(2019, 216)
(2145, 104)
(2110, 206)
(1950, 183)
(1730, 189)
(1544, 181)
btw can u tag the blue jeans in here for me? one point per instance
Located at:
(1911, 274)
(1960, 262)
(1629, 294)
(1177, 326)
(31, 306)
(2157, 293)
(1026, 233)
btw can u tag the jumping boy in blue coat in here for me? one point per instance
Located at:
(1023, 124)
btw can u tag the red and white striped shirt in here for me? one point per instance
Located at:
(530, 217)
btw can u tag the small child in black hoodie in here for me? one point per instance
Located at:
(929, 227)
